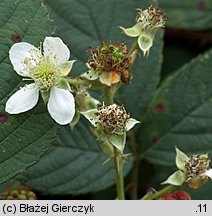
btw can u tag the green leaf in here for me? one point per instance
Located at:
(191, 15)
(180, 114)
(74, 166)
(25, 137)
(86, 23)
(177, 178)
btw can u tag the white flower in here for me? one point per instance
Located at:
(47, 70)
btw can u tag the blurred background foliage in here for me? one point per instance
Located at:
(178, 114)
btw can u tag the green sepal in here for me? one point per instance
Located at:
(106, 147)
(90, 102)
(145, 42)
(45, 95)
(63, 84)
(134, 31)
(91, 74)
(178, 178)
(181, 159)
(66, 67)
(131, 123)
(118, 141)
(75, 120)
(90, 116)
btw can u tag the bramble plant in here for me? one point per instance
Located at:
(43, 88)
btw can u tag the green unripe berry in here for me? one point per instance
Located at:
(22, 197)
(118, 55)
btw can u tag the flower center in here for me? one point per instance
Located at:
(45, 74)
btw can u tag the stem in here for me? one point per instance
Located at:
(90, 83)
(109, 93)
(134, 47)
(136, 166)
(119, 175)
(159, 193)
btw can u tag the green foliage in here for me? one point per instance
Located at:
(185, 120)
(74, 166)
(23, 138)
(191, 15)
(179, 115)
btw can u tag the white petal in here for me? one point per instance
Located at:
(208, 173)
(56, 49)
(131, 123)
(61, 105)
(134, 31)
(23, 100)
(19, 52)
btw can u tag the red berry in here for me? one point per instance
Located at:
(178, 195)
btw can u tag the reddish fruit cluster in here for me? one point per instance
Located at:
(178, 195)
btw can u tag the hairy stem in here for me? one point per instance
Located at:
(109, 94)
(133, 47)
(119, 175)
(159, 193)
(89, 83)
(136, 166)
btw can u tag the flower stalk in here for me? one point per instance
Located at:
(160, 193)
(109, 93)
(88, 83)
(119, 174)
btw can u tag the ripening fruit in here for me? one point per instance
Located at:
(178, 195)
